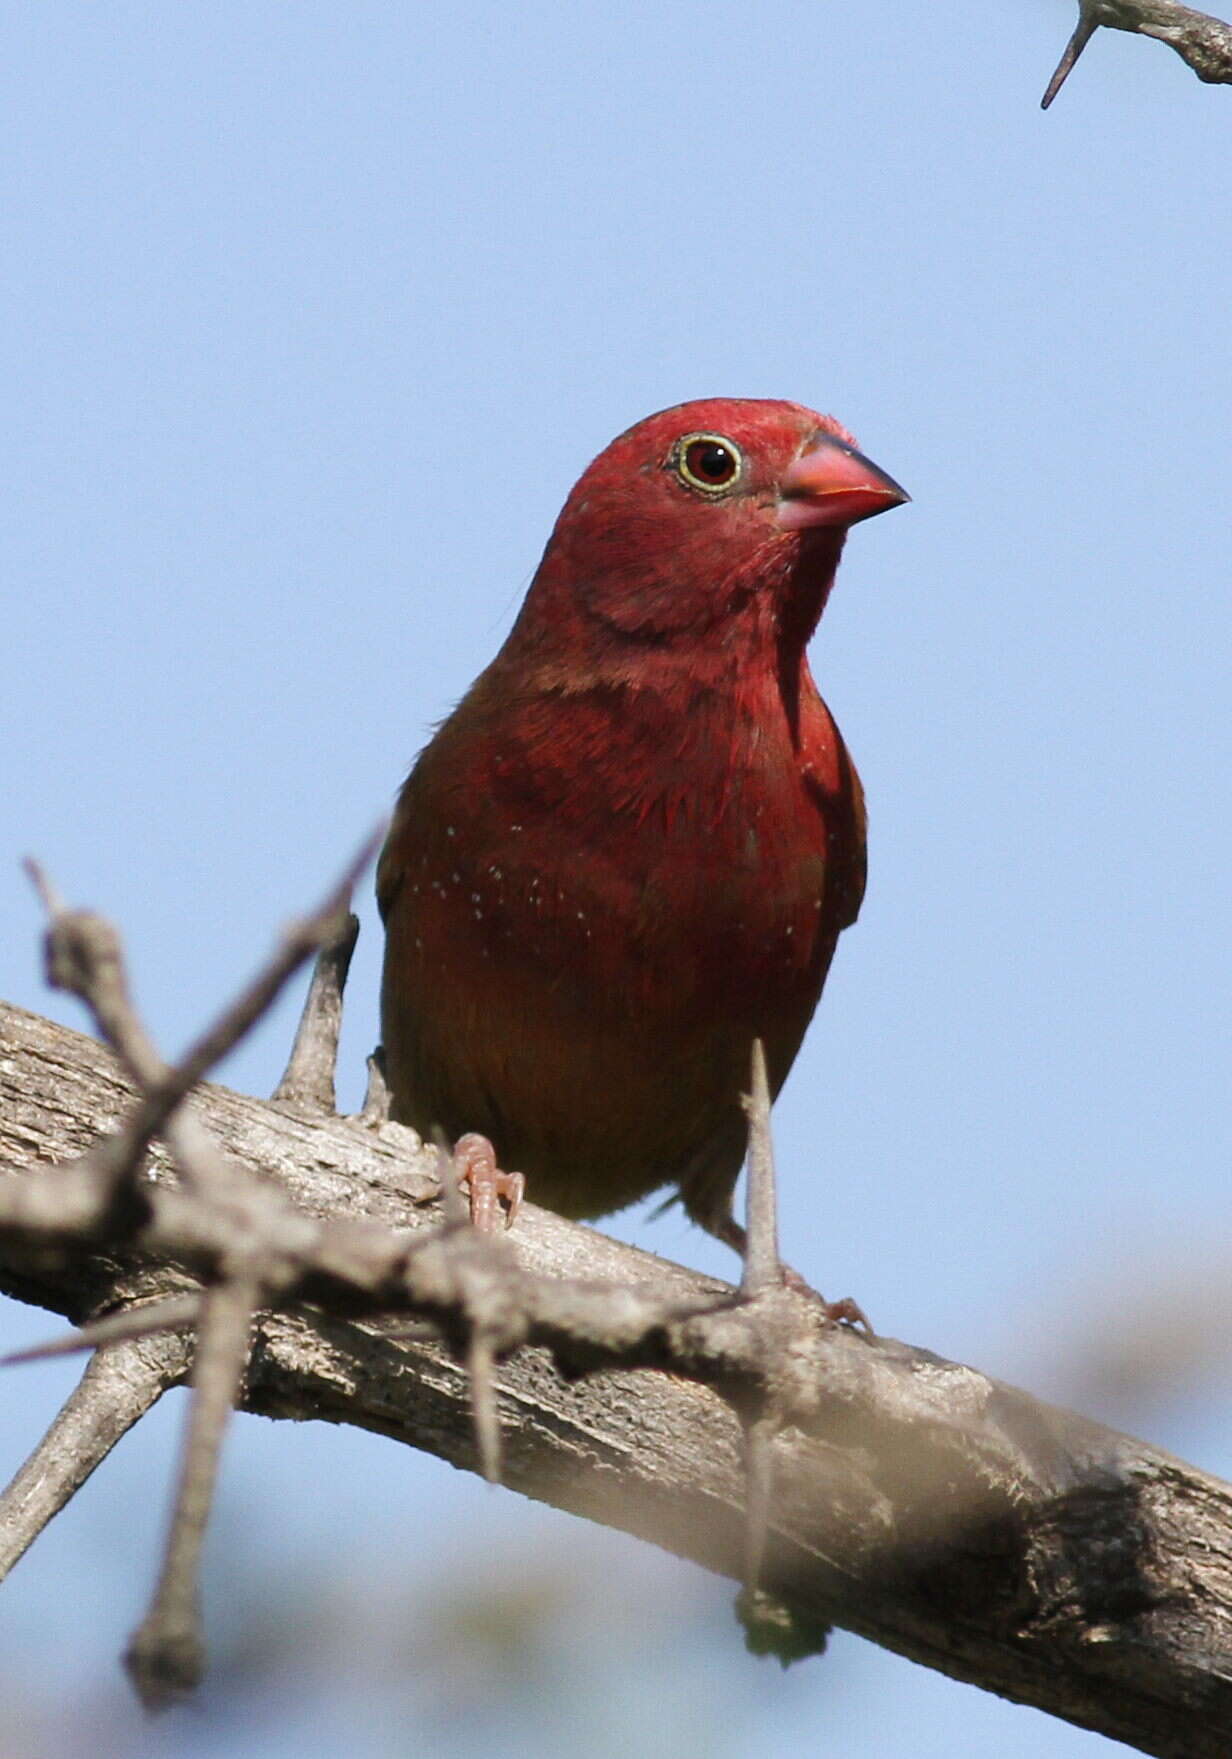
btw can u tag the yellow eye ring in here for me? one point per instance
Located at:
(711, 464)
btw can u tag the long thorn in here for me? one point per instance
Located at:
(174, 1314)
(40, 879)
(1084, 30)
(122, 1152)
(117, 1389)
(299, 942)
(762, 1267)
(308, 1079)
(375, 1109)
(166, 1654)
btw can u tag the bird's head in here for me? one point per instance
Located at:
(702, 510)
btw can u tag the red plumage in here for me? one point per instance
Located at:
(632, 846)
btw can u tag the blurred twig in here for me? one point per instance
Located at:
(167, 1653)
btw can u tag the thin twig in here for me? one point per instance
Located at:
(40, 879)
(166, 1655)
(118, 1387)
(144, 1320)
(83, 956)
(119, 1156)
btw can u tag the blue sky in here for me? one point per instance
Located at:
(311, 315)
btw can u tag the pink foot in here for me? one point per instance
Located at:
(844, 1312)
(474, 1160)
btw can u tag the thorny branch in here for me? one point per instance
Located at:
(910, 1499)
(118, 1387)
(1205, 43)
(84, 956)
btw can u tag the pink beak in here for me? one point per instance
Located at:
(833, 484)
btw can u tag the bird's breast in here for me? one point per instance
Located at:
(622, 850)
(592, 908)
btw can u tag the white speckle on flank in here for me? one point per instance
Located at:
(449, 831)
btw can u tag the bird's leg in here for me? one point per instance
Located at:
(474, 1163)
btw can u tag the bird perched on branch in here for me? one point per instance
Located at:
(632, 846)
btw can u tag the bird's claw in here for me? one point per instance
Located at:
(475, 1168)
(846, 1312)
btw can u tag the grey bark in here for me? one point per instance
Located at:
(917, 1502)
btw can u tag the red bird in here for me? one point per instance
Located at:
(631, 848)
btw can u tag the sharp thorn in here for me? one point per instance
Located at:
(762, 1267)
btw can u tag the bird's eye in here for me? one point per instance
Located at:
(708, 462)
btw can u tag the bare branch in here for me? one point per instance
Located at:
(1203, 42)
(118, 1387)
(915, 1501)
(84, 956)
